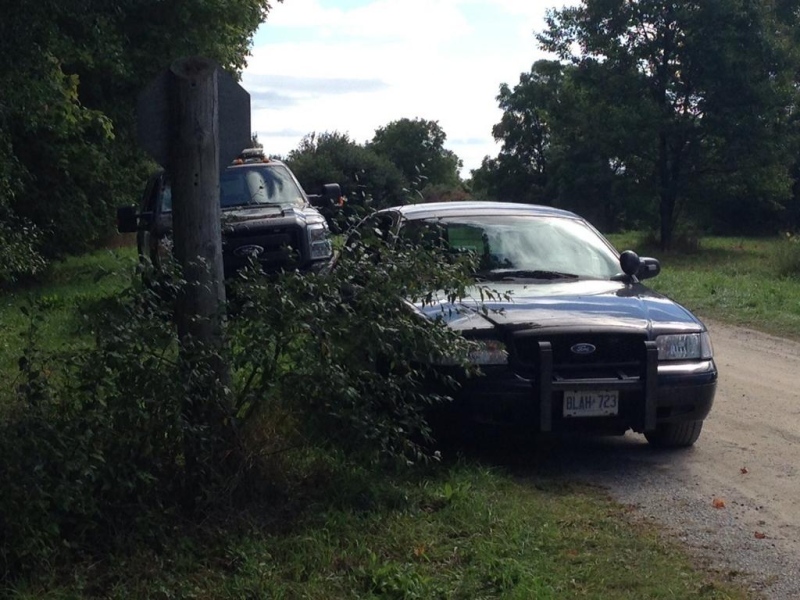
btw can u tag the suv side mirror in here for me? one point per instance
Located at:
(328, 198)
(332, 192)
(127, 219)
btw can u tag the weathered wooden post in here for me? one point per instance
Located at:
(191, 117)
(194, 170)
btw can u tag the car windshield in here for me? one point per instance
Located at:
(256, 185)
(522, 247)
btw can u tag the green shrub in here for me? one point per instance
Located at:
(342, 352)
(113, 440)
(787, 256)
(20, 242)
(95, 441)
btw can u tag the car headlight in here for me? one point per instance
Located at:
(488, 352)
(319, 241)
(481, 353)
(685, 346)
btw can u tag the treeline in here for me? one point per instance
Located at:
(70, 73)
(405, 161)
(658, 114)
(653, 114)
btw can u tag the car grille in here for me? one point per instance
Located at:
(616, 355)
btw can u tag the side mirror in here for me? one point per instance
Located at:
(650, 267)
(639, 267)
(328, 197)
(630, 263)
(332, 192)
(127, 219)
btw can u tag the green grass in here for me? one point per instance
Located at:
(737, 280)
(462, 531)
(326, 530)
(70, 285)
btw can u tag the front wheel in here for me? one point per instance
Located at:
(675, 435)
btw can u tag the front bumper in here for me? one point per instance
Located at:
(661, 394)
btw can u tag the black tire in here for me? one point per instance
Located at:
(675, 435)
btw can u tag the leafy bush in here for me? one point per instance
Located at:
(787, 256)
(20, 242)
(343, 352)
(96, 441)
(112, 439)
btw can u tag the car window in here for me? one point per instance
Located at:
(247, 186)
(521, 243)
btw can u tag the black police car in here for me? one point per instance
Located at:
(265, 215)
(573, 341)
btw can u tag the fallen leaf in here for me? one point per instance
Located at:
(420, 550)
(718, 503)
(760, 536)
(744, 471)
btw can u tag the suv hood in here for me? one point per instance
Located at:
(255, 215)
(583, 304)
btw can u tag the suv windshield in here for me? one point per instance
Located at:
(522, 247)
(256, 185)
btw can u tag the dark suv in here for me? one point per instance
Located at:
(265, 215)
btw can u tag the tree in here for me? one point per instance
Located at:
(520, 172)
(365, 177)
(416, 147)
(706, 86)
(70, 74)
(558, 130)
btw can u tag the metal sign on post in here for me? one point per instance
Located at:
(153, 130)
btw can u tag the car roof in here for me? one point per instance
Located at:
(434, 210)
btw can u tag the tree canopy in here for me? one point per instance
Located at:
(416, 146)
(70, 74)
(365, 177)
(655, 109)
(404, 162)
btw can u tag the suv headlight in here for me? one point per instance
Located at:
(319, 241)
(685, 346)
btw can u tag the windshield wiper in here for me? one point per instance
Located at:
(509, 274)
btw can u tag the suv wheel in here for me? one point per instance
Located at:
(675, 435)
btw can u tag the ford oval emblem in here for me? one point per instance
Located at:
(249, 250)
(583, 349)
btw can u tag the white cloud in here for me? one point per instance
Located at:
(381, 19)
(388, 59)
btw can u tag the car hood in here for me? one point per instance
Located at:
(582, 304)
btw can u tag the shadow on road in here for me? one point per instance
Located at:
(566, 455)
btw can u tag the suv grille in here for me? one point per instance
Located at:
(275, 247)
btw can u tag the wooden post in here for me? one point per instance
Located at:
(197, 238)
(194, 170)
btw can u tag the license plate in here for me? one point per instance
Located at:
(597, 403)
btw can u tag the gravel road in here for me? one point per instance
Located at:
(734, 498)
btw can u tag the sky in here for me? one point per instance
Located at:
(352, 66)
